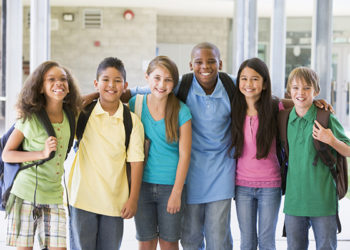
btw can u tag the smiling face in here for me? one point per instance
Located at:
(302, 95)
(206, 64)
(110, 84)
(55, 84)
(251, 84)
(161, 82)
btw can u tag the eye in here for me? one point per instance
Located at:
(157, 78)
(198, 62)
(212, 61)
(63, 79)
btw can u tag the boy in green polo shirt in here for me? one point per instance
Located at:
(310, 198)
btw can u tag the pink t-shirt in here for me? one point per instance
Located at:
(251, 172)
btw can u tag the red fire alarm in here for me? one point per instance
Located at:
(97, 43)
(128, 15)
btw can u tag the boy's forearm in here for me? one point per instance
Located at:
(341, 147)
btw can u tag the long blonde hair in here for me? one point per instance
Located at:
(173, 104)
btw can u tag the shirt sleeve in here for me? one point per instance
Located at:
(135, 151)
(184, 114)
(140, 90)
(132, 103)
(337, 129)
(25, 127)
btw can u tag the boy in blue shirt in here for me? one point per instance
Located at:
(211, 175)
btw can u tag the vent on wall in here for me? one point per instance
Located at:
(92, 19)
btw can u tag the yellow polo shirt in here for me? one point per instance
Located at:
(97, 180)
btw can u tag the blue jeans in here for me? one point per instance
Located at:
(324, 227)
(210, 221)
(257, 206)
(152, 219)
(90, 231)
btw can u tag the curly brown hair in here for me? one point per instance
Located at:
(31, 100)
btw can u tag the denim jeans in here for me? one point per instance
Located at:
(152, 219)
(210, 221)
(324, 227)
(90, 231)
(257, 213)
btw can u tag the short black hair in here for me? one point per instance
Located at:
(113, 62)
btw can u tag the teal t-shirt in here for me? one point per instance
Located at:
(310, 190)
(49, 174)
(163, 157)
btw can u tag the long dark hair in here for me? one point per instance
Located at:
(266, 114)
(31, 100)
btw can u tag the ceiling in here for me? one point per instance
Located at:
(223, 8)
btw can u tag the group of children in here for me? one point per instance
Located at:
(201, 155)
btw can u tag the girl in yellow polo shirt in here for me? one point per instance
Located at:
(48, 87)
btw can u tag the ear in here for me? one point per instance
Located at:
(146, 77)
(191, 66)
(220, 65)
(125, 86)
(96, 85)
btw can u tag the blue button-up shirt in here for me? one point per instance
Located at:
(211, 175)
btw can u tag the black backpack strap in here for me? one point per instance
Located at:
(45, 121)
(184, 88)
(127, 125)
(82, 121)
(228, 84)
(128, 128)
(71, 119)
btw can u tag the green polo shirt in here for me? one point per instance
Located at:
(49, 174)
(310, 189)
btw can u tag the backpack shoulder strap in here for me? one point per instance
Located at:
(138, 105)
(228, 84)
(282, 119)
(185, 85)
(71, 119)
(127, 125)
(323, 150)
(45, 121)
(83, 119)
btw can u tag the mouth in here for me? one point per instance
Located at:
(58, 91)
(301, 99)
(160, 90)
(249, 90)
(111, 91)
(205, 73)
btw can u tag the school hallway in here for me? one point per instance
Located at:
(130, 243)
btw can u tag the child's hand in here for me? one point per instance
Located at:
(322, 134)
(174, 203)
(129, 209)
(322, 104)
(50, 145)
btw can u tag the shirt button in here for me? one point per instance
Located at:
(58, 129)
(57, 173)
(58, 164)
(60, 155)
(61, 146)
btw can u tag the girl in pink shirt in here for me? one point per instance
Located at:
(258, 180)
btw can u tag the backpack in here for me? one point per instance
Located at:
(83, 119)
(9, 171)
(337, 166)
(186, 82)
